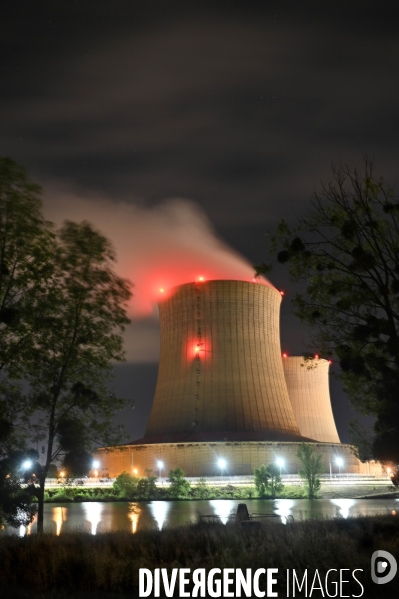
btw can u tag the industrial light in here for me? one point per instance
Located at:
(27, 464)
(96, 464)
(339, 461)
(160, 464)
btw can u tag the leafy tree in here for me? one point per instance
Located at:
(345, 252)
(261, 479)
(17, 505)
(77, 463)
(126, 485)
(179, 486)
(311, 469)
(268, 479)
(77, 330)
(26, 242)
(146, 487)
(201, 489)
(274, 482)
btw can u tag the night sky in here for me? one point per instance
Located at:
(180, 128)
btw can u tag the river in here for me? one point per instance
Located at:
(98, 517)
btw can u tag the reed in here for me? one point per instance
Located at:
(107, 565)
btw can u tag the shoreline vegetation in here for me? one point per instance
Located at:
(130, 488)
(80, 494)
(107, 565)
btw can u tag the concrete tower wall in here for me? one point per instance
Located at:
(220, 362)
(308, 388)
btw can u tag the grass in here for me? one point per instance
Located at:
(107, 565)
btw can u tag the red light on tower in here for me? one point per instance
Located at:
(330, 361)
(285, 355)
(316, 356)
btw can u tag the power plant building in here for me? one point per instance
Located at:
(224, 390)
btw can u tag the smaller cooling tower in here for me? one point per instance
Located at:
(308, 388)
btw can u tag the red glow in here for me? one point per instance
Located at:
(282, 292)
(330, 361)
(285, 355)
(316, 356)
(161, 290)
(200, 278)
(197, 349)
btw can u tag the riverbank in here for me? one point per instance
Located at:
(328, 491)
(107, 565)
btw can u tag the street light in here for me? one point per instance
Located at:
(222, 465)
(340, 462)
(96, 464)
(27, 464)
(160, 466)
(280, 462)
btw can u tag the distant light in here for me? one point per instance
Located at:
(135, 471)
(280, 462)
(339, 461)
(62, 474)
(96, 464)
(285, 355)
(316, 356)
(200, 278)
(160, 464)
(388, 470)
(282, 292)
(330, 361)
(222, 463)
(27, 464)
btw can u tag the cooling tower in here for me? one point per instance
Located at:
(220, 372)
(308, 388)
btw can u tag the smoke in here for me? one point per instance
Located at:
(157, 248)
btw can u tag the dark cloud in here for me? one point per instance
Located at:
(240, 106)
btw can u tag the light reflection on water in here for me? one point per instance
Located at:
(97, 517)
(159, 511)
(344, 506)
(93, 511)
(57, 516)
(134, 515)
(283, 508)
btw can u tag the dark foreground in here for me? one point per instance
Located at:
(106, 566)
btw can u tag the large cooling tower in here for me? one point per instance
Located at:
(308, 388)
(220, 371)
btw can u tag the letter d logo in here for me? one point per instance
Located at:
(379, 567)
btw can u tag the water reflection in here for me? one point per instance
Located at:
(26, 530)
(344, 506)
(93, 512)
(284, 508)
(97, 517)
(57, 516)
(222, 508)
(159, 511)
(134, 515)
